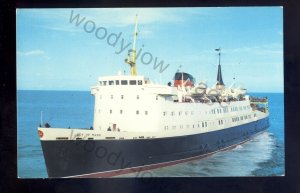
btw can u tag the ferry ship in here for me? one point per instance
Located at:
(139, 125)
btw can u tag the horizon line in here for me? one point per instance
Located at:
(89, 90)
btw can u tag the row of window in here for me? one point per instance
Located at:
(121, 112)
(165, 113)
(225, 109)
(240, 108)
(235, 119)
(213, 111)
(220, 122)
(121, 82)
(122, 97)
(203, 125)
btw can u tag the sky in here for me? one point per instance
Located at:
(68, 49)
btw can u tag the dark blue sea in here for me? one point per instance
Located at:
(261, 156)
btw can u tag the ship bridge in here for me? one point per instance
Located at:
(120, 81)
(123, 80)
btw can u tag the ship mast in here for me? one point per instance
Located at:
(132, 61)
(220, 83)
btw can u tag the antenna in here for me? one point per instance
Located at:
(219, 50)
(132, 61)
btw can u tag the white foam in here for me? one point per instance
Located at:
(240, 161)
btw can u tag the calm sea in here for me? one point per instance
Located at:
(262, 156)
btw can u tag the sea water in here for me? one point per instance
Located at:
(261, 156)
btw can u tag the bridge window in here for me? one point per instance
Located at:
(100, 82)
(122, 96)
(104, 83)
(146, 112)
(111, 82)
(132, 82)
(140, 82)
(124, 82)
(137, 97)
(137, 112)
(110, 111)
(117, 82)
(111, 96)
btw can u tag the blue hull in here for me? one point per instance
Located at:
(104, 158)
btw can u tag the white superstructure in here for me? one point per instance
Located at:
(134, 104)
